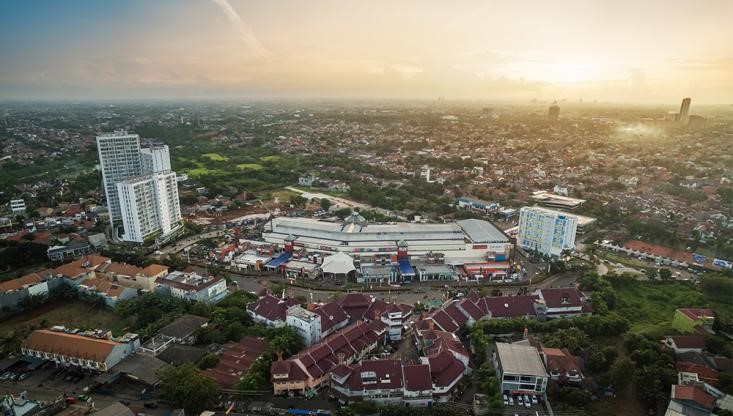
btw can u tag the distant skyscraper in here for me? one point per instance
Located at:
(685, 111)
(119, 158)
(141, 189)
(546, 230)
(554, 112)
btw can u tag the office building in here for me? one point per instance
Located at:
(554, 112)
(684, 116)
(547, 231)
(119, 159)
(149, 204)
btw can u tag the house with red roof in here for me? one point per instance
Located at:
(685, 343)
(693, 397)
(562, 365)
(693, 320)
(270, 310)
(309, 370)
(236, 360)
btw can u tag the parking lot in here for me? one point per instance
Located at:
(524, 404)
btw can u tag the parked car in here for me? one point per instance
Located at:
(511, 401)
(534, 400)
(506, 400)
(520, 402)
(527, 403)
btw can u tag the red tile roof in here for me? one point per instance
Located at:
(417, 377)
(696, 313)
(236, 360)
(272, 308)
(689, 341)
(694, 394)
(704, 373)
(564, 297)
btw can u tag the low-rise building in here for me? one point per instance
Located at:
(194, 287)
(685, 343)
(691, 320)
(306, 323)
(92, 350)
(109, 291)
(520, 369)
(72, 249)
(308, 371)
(563, 366)
(270, 310)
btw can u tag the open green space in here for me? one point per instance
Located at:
(71, 314)
(627, 261)
(216, 157)
(270, 158)
(249, 166)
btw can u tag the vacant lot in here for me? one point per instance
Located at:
(249, 166)
(71, 314)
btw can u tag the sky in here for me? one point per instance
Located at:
(650, 51)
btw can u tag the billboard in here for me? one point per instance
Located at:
(723, 264)
(698, 259)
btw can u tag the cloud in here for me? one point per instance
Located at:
(245, 32)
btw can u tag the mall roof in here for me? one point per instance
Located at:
(520, 359)
(480, 231)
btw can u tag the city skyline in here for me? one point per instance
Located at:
(607, 51)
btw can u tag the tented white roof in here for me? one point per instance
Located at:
(339, 263)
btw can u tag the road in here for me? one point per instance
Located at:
(189, 241)
(343, 202)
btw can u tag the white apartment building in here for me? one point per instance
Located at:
(141, 189)
(17, 206)
(149, 204)
(306, 323)
(119, 159)
(155, 159)
(546, 230)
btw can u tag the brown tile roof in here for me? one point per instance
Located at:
(696, 314)
(122, 269)
(154, 270)
(694, 394)
(27, 280)
(70, 345)
(417, 377)
(103, 286)
(689, 341)
(236, 360)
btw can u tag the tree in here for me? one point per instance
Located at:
(208, 361)
(343, 212)
(325, 203)
(186, 388)
(665, 274)
(651, 273)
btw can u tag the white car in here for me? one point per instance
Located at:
(527, 403)
(534, 400)
(506, 400)
(511, 401)
(520, 402)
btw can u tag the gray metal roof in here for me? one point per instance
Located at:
(480, 231)
(520, 359)
(338, 231)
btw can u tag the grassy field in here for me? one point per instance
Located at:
(650, 306)
(199, 172)
(72, 314)
(271, 158)
(627, 261)
(216, 157)
(249, 166)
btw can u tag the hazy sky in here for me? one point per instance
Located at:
(619, 50)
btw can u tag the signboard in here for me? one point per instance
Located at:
(479, 246)
(698, 258)
(724, 264)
